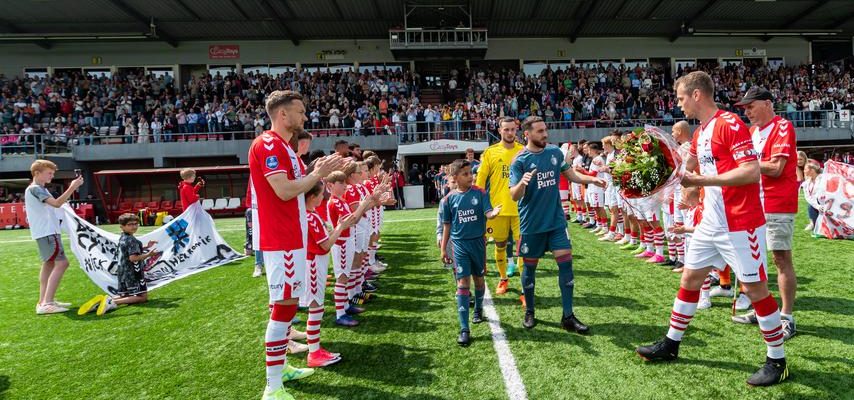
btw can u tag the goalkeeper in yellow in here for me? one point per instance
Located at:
(493, 175)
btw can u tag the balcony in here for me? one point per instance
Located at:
(437, 42)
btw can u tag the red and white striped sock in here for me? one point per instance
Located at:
(351, 284)
(312, 328)
(647, 239)
(620, 223)
(768, 316)
(591, 216)
(671, 248)
(684, 308)
(705, 290)
(276, 343)
(340, 297)
(658, 239)
(680, 251)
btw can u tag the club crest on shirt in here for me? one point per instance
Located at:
(524, 248)
(474, 201)
(554, 160)
(533, 165)
(272, 162)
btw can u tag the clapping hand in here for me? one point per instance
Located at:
(495, 211)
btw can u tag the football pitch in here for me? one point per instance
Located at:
(202, 337)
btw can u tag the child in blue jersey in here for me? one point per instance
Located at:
(534, 178)
(464, 213)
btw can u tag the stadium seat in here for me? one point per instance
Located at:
(220, 204)
(166, 205)
(177, 207)
(125, 207)
(138, 206)
(233, 203)
(207, 204)
(153, 205)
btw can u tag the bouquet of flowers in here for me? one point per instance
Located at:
(647, 166)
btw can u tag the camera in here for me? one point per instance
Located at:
(78, 172)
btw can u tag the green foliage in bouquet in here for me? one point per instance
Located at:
(642, 165)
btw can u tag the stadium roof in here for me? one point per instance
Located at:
(43, 21)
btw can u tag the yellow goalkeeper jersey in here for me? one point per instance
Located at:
(493, 175)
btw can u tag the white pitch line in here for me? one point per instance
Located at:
(512, 380)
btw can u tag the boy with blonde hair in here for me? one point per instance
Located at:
(44, 229)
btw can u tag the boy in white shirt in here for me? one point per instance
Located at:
(44, 229)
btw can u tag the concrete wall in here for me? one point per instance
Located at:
(163, 154)
(16, 57)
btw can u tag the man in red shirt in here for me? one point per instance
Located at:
(731, 231)
(774, 139)
(278, 184)
(188, 191)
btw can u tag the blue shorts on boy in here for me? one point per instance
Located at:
(466, 213)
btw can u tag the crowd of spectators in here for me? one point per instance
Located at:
(134, 108)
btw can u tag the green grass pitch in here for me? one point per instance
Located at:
(202, 336)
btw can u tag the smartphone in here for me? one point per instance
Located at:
(78, 172)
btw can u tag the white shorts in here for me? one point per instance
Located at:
(678, 216)
(342, 256)
(575, 191)
(315, 277)
(629, 207)
(648, 213)
(612, 198)
(363, 237)
(375, 221)
(285, 274)
(744, 251)
(564, 195)
(596, 198)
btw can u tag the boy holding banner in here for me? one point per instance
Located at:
(130, 271)
(44, 229)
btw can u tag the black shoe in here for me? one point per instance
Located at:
(662, 350)
(464, 339)
(478, 316)
(529, 321)
(572, 324)
(679, 264)
(367, 287)
(669, 263)
(364, 297)
(773, 372)
(379, 257)
(713, 281)
(471, 303)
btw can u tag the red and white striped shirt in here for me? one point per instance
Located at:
(316, 235)
(721, 145)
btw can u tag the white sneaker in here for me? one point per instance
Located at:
(705, 303)
(603, 231)
(718, 291)
(743, 303)
(809, 227)
(106, 306)
(258, 271)
(296, 347)
(297, 335)
(607, 238)
(624, 240)
(376, 269)
(50, 308)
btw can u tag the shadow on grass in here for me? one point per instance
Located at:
(588, 300)
(161, 302)
(844, 335)
(826, 382)
(120, 312)
(389, 363)
(358, 392)
(834, 305)
(4, 384)
(380, 324)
